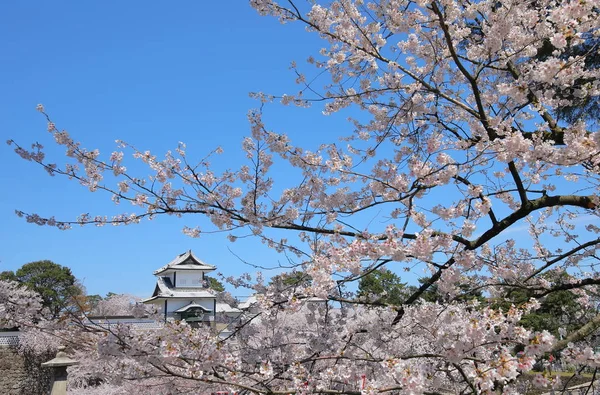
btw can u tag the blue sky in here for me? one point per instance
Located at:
(151, 74)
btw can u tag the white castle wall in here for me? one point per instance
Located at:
(190, 279)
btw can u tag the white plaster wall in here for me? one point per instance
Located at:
(190, 279)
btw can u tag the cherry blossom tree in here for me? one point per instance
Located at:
(455, 147)
(116, 305)
(18, 305)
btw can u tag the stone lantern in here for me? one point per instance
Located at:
(59, 365)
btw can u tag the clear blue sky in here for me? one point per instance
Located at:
(152, 74)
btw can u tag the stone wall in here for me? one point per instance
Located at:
(22, 374)
(13, 373)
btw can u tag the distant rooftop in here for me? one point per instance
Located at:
(226, 308)
(246, 304)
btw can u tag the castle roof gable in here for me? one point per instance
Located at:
(185, 261)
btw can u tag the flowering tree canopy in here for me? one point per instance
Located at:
(456, 148)
(18, 305)
(115, 305)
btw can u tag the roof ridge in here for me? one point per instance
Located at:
(180, 261)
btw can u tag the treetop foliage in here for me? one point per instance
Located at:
(56, 284)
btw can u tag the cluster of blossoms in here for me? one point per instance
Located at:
(18, 306)
(306, 346)
(458, 150)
